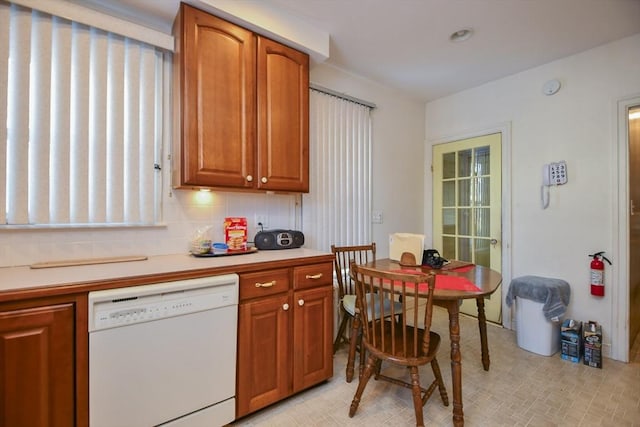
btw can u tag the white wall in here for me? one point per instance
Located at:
(398, 152)
(578, 124)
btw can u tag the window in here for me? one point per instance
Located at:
(337, 209)
(83, 110)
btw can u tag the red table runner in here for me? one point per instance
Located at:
(444, 282)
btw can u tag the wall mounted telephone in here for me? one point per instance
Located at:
(552, 174)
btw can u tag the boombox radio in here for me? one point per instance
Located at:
(279, 239)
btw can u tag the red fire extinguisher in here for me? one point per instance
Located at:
(597, 273)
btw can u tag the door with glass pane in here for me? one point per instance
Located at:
(467, 207)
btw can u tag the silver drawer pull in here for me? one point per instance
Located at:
(265, 285)
(285, 306)
(300, 302)
(313, 276)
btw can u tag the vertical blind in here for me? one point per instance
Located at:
(82, 123)
(337, 209)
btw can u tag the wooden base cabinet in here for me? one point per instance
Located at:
(38, 371)
(313, 309)
(285, 325)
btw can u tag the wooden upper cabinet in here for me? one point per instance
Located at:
(242, 106)
(216, 66)
(283, 117)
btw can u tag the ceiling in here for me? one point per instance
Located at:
(405, 44)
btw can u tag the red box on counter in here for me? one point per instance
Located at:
(235, 233)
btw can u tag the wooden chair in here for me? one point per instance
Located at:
(344, 256)
(403, 338)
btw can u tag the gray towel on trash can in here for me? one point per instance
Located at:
(554, 293)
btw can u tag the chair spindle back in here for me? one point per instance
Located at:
(344, 256)
(395, 334)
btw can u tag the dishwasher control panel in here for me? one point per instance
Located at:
(126, 306)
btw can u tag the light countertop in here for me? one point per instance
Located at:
(25, 277)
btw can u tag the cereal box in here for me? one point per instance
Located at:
(235, 233)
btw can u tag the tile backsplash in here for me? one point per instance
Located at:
(184, 212)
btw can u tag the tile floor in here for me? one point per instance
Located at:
(520, 389)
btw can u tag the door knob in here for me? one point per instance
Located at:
(493, 242)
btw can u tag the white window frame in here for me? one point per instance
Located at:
(68, 158)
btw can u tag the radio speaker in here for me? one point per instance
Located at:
(265, 240)
(279, 239)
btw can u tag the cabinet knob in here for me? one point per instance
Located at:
(249, 178)
(300, 302)
(265, 285)
(313, 276)
(285, 306)
(264, 180)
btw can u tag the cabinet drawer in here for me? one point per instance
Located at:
(263, 283)
(309, 276)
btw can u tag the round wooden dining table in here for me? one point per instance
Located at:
(454, 283)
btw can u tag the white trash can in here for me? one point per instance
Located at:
(534, 332)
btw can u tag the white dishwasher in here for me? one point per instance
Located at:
(164, 354)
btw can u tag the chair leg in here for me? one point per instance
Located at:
(363, 353)
(364, 379)
(436, 372)
(353, 342)
(376, 373)
(416, 391)
(341, 329)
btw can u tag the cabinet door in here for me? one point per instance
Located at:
(216, 60)
(283, 117)
(264, 361)
(312, 337)
(37, 379)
